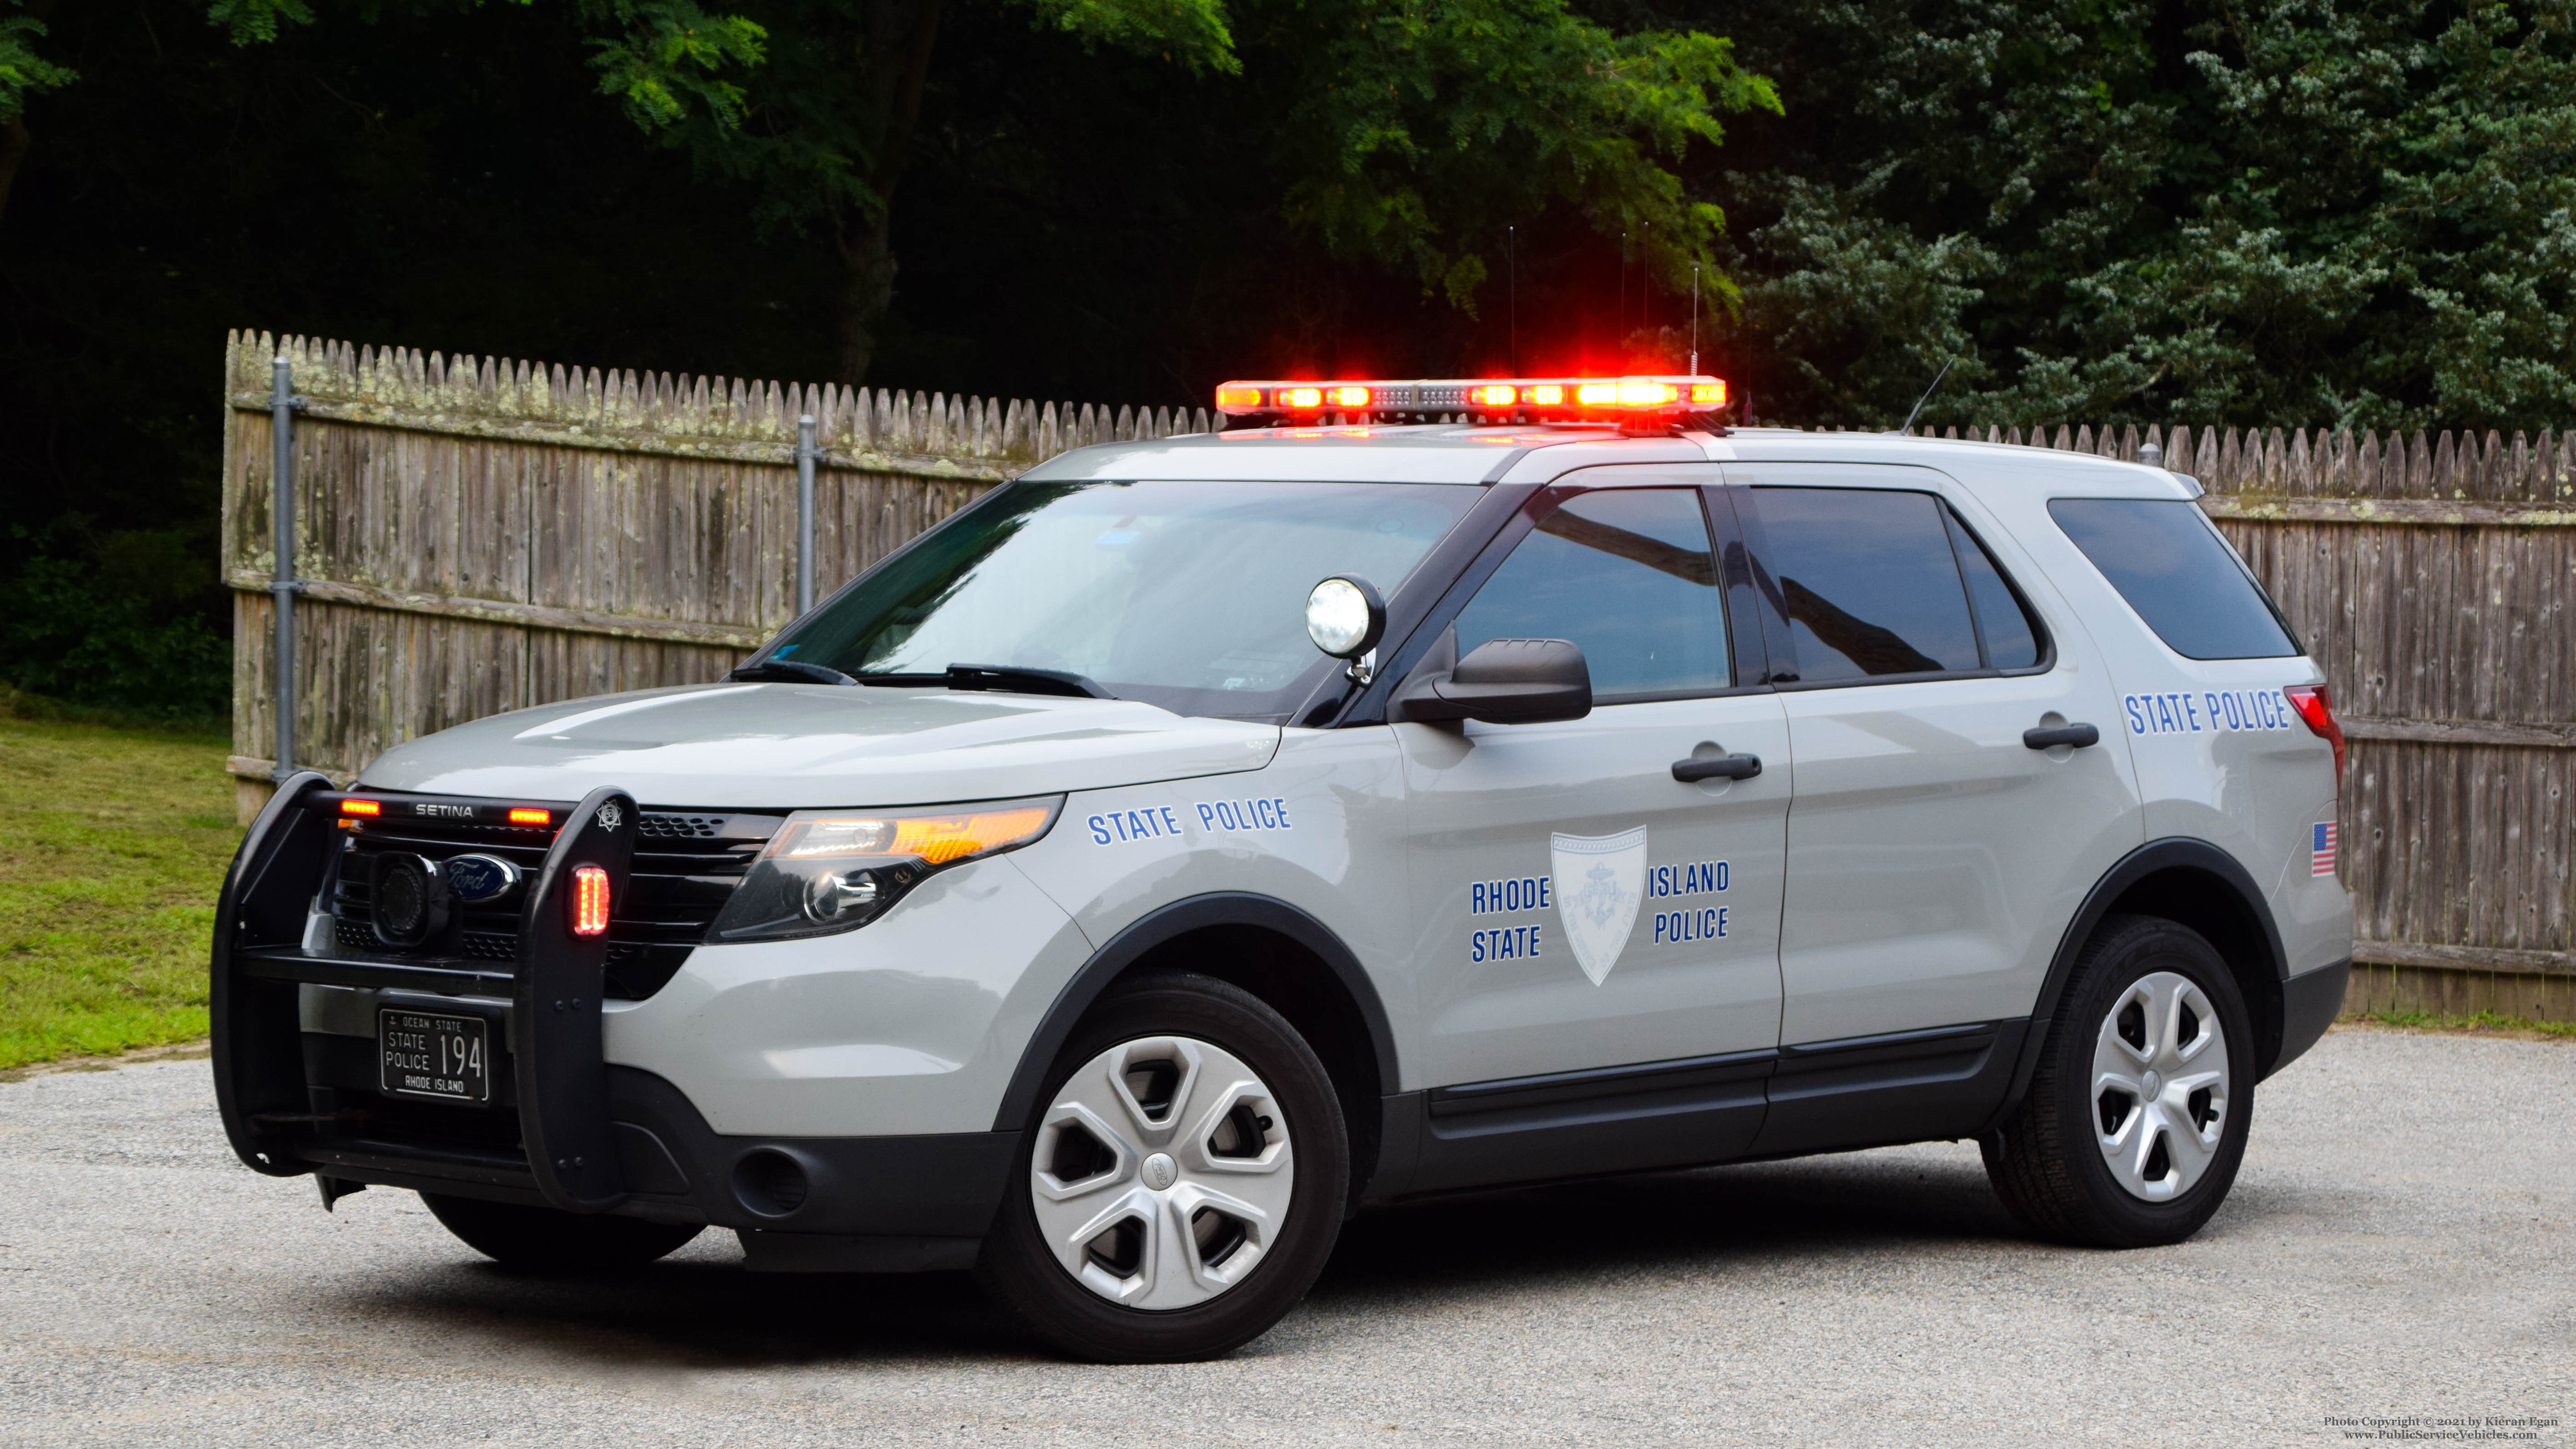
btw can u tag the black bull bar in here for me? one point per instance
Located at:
(558, 1068)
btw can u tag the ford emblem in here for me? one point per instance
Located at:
(479, 878)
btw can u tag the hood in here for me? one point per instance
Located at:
(809, 746)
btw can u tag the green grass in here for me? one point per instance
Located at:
(2482, 1021)
(113, 845)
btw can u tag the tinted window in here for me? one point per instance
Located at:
(1868, 580)
(1625, 573)
(2181, 577)
(2012, 641)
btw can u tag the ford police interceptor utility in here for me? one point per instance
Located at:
(1195, 841)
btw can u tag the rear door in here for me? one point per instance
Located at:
(1934, 858)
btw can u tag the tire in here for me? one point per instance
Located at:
(546, 1240)
(1190, 1125)
(2132, 1057)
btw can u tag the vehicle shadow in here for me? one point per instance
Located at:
(705, 1312)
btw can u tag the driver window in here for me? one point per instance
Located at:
(1628, 575)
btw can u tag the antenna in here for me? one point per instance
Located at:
(1927, 396)
(1646, 278)
(1512, 272)
(1619, 329)
(1694, 367)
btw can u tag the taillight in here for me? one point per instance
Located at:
(589, 901)
(2316, 707)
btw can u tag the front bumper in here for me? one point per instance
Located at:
(564, 1128)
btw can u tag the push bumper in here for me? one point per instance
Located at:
(565, 1129)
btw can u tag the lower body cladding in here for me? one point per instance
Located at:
(1826, 1097)
(801, 1204)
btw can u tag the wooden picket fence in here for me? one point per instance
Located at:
(478, 535)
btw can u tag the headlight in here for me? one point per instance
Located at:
(837, 870)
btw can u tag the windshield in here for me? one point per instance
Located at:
(1191, 596)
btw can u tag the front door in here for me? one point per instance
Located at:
(1579, 907)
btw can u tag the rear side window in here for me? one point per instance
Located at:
(1627, 573)
(2181, 577)
(1869, 580)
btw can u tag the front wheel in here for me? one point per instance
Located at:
(1181, 1184)
(2136, 1119)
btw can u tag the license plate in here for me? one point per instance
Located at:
(428, 1054)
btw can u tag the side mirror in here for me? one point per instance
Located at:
(1345, 617)
(1501, 681)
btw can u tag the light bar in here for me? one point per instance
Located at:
(368, 808)
(528, 815)
(1508, 398)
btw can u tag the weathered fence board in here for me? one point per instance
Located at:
(479, 535)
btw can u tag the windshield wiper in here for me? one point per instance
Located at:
(1006, 678)
(1014, 679)
(785, 671)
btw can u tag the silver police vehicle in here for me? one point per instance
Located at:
(1195, 842)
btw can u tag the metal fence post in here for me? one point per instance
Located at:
(805, 451)
(282, 403)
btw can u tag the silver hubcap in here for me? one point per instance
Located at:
(2160, 1086)
(1161, 1175)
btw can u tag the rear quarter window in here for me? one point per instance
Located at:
(2182, 578)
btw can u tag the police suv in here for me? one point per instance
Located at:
(1195, 841)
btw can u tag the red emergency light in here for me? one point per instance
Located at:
(1519, 399)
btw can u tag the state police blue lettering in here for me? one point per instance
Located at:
(1115, 827)
(1529, 893)
(1708, 923)
(1505, 944)
(1233, 815)
(1686, 880)
(2209, 711)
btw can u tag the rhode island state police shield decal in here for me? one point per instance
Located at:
(1599, 881)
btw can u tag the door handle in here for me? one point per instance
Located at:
(2078, 735)
(1724, 767)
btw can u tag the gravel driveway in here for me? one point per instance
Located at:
(2401, 1245)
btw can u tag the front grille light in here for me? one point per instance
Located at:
(589, 900)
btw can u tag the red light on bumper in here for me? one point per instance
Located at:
(589, 901)
(368, 808)
(526, 815)
(2316, 710)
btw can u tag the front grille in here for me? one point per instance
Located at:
(687, 864)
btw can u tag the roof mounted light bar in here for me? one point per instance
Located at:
(1528, 399)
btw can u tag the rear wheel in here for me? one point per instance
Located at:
(1181, 1183)
(2136, 1118)
(538, 1239)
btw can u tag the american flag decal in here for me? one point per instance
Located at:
(2321, 849)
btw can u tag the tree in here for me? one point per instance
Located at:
(23, 73)
(2272, 211)
(1406, 132)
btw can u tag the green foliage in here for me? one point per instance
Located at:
(1416, 129)
(1193, 33)
(666, 60)
(118, 633)
(24, 73)
(2280, 211)
(253, 22)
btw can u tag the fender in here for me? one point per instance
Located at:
(2137, 865)
(1219, 908)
